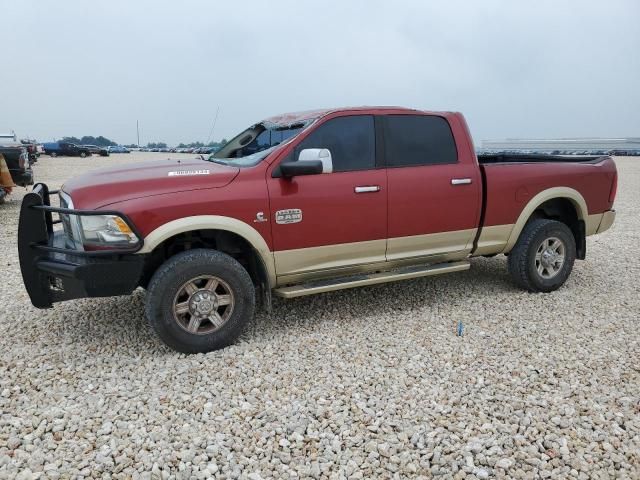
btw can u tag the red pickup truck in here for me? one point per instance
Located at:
(304, 203)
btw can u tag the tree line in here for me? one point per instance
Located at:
(89, 140)
(105, 142)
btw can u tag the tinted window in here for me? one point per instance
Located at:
(351, 141)
(418, 140)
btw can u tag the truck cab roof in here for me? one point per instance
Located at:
(296, 117)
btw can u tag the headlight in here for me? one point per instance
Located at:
(94, 231)
(105, 231)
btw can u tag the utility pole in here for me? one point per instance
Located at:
(138, 131)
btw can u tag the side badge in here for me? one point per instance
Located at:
(292, 215)
(260, 218)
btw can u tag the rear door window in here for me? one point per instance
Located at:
(413, 140)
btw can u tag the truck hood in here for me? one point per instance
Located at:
(105, 186)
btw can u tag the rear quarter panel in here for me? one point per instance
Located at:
(510, 187)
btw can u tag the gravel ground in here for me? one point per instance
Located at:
(371, 382)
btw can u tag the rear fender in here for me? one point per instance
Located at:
(575, 197)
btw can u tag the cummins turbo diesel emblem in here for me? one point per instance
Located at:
(178, 173)
(292, 215)
(260, 218)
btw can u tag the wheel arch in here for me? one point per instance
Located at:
(219, 223)
(569, 194)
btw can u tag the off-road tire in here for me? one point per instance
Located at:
(183, 267)
(522, 258)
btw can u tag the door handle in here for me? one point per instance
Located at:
(367, 189)
(460, 181)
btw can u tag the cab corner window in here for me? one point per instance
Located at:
(413, 140)
(351, 141)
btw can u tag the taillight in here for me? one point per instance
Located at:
(614, 188)
(21, 159)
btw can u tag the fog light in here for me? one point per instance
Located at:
(56, 284)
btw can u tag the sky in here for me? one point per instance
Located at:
(516, 69)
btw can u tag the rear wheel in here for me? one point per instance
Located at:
(200, 300)
(543, 256)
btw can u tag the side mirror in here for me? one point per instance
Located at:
(311, 161)
(315, 154)
(294, 169)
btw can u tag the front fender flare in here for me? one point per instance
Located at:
(213, 222)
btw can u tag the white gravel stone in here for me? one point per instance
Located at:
(481, 473)
(363, 383)
(504, 463)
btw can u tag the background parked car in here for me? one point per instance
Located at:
(14, 157)
(118, 149)
(102, 151)
(34, 149)
(65, 148)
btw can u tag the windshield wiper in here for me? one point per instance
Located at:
(214, 160)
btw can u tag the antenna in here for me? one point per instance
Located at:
(214, 126)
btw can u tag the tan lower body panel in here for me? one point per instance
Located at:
(302, 260)
(591, 224)
(608, 218)
(430, 244)
(314, 263)
(493, 239)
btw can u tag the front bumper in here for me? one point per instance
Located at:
(53, 273)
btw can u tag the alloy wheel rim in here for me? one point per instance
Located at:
(550, 257)
(203, 304)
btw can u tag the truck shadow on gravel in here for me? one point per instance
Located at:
(487, 280)
(118, 324)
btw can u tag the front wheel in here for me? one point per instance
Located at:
(200, 300)
(543, 256)
(53, 154)
(83, 154)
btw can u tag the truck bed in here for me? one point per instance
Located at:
(512, 181)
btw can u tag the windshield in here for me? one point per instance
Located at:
(255, 143)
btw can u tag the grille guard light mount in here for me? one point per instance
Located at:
(39, 199)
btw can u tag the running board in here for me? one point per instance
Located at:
(370, 279)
